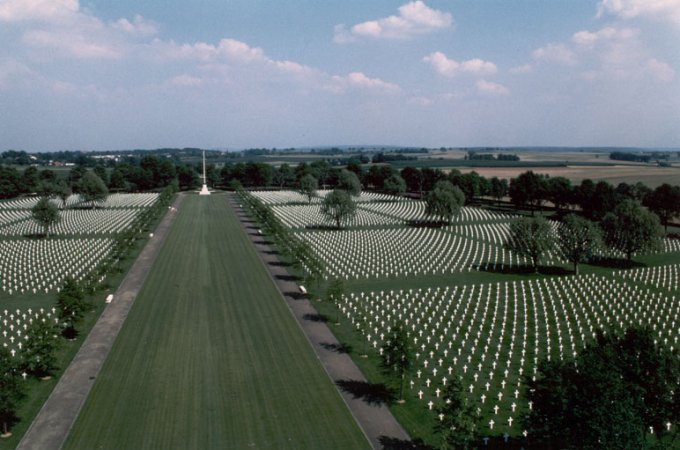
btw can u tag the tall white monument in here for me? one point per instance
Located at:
(204, 189)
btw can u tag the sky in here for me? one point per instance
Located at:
(106, 75)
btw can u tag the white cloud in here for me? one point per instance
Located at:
(489, 87)
(45, 10)
(138, 26)
(588, 38)
(450, 68)
(414, 18)
(358, 80)
(72, 43)
(558, 53)
(525, 68)
(660, 70)
(186, 81)
(665, 10)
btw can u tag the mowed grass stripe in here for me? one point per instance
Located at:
(210, 356)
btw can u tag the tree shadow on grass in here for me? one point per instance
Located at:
(426, 223)
(295, 295)
(337, 348)
(373, 394)
(288, 277)
(322, 227)
(315, 318)
(615, 263)
(524, 270)
(390, 443)
(280, 263)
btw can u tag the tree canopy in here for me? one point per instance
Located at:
(72, 306)
(349, 182)
(308, 186)
(631, 229)
(444, 201)
(92, 189)
(578, 239)
(338, 206)
(396, 358)
(664, 201)
(531, 238)
(46, 214)
(458, 425)
(11, 389)
(609, 397)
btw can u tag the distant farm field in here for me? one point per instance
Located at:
(211, 357)
(652, 176)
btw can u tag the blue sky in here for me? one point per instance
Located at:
(96, 75)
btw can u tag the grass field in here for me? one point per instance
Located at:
(210, 356)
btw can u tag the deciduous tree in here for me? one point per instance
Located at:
(11, 389)
(338, 206)
(46, 214)
(444, 201)
(308, 187)
(531, 238)
(72, 306)
(609, 397)
(631, 229)
(92, 189)
(578, 239)
(397, 356)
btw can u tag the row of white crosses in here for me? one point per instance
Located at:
(661, 277)
(9, 216)
(79, 221)
(408, 210)
(402, 251)
(287, 197)
(493, 335)
(301, 216)
(42, 265)
(13, 326)
(143, 200)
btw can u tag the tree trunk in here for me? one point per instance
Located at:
(576, 268)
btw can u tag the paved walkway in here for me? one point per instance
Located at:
(51, 426)
(376, 420)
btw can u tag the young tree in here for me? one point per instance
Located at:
(609, 397)
(631, 229)
(349, 182)
(458, 426)
(38, 356)
(528, 189)
(578, 239)
(92, 189)
(444, 201)
(46, 214)
(498, 188)
(334, 294)
(397, 357)
(531, 238)
(63, 191)
(395, 185)
(338, 206)
(308, 187)
(72, 306)
(11, 389)
(664, 201)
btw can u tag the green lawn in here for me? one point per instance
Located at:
(210, 356)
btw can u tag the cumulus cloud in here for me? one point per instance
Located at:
(489, 87)
(450, 68)
(589, 38)
(43, 10)
(414, 18)
(358, 80)
(666, 10)
(524, 68)
(558, 53)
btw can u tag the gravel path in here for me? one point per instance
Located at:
(376, 420)
(55, 419)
